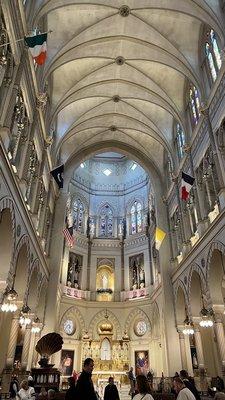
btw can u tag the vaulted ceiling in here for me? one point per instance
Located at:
(118, 69)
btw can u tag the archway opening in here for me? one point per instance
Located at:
(180, 307)
(33, 290)
(21, 271)
(216, 278)
(6, 245)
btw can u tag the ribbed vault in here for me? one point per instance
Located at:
(120, 72)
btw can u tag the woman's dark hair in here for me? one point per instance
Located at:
(142, 384)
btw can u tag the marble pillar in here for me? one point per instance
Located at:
(26, 348)
(12, 342)
(183, 350)
(220, 336)
(199, 348)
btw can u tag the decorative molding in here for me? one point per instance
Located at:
(74, 314)
(100, 316)
(134, 316)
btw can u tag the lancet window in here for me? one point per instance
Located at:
(212, 52)
(179, 140)
(136, 217)
(194, 103)
(78, 216)
(106, 221)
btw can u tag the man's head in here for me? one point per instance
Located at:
(51, 394)
(111, 380)
(178, 384)
(88, 365)
(183, 374)
(131, 369)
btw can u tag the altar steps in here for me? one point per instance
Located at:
(124, 390)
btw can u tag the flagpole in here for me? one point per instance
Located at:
(187, 150)
(165, 201)
(22, 39)
(175, 180)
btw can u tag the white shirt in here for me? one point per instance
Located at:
(185, 394)
(26, 394)
(139, 396)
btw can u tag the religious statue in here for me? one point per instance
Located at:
(73, 271)
(104, 278)
(142, 277)
(134, 279)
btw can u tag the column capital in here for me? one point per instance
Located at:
(187, 148)
(204, 110)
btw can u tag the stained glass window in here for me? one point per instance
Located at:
(136, 218)
(106, 221)
(180, 140)
(216, 49)
(78, 215)
(210, 61)
(194, 104)
(213, 54)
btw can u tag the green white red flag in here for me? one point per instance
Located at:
(38, 47)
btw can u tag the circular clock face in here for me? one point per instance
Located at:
(140, 328)
(69, 327)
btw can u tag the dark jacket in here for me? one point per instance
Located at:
(192, 388)
(85, 388)
(111, 393)
(14, 388)
(70, 393)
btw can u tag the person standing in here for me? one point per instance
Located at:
(143, 388)
(191, 386)
(111, 391)
(132, 381)
(84, 387)
(26, 392)
(183, 392)
(13, 388)
(71, 392)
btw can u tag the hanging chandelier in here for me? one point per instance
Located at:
(25, 318)
(36, 325)
(206, 318)
(9, 300)
(188, 327)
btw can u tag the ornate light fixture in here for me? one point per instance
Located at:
(25, 318)
(206, 318)
(9, 300)
(188, 327)
(36, 325)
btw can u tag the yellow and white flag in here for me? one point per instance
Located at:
(159, 237)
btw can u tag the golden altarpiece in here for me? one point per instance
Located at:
(111, 356)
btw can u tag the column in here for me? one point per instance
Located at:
(199, 348)
(12, 342)
(183, 350)
(89, 264)
(122, 264)
(219, 331)
(37, 336)
(56, 253)
(218, 161)
(26, 348)
(170, 337)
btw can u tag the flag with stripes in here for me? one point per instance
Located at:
(69, 238)
(68, 230)
(186, 185)
(38, 47)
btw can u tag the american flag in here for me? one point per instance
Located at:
(68, 231)
(69, 238)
